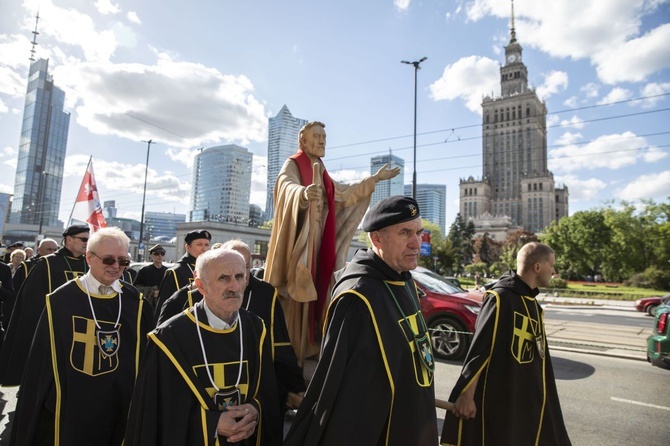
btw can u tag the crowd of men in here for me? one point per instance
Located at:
(200, 353)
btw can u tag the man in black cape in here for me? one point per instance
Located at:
(373, 384)
(195, 243)
(149, 277)
(506, 393)
(46, 246)
(83, 362)
(261, 299)
(207, 375)
(47, 275)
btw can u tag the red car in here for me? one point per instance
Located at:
(649, 304)
(450, 313)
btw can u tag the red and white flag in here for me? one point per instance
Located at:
(87, 206)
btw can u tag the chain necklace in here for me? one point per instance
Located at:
(109, 341)
(422, 343)
(229, 398)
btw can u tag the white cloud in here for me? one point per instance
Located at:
(654, 92)
(653, 155)
(182, 104)
(133, 17)
(617, 94)
(590, 90)
(402, 5)
(605, 32)
(609, 152)
(348, 176)
(76, 29)
(569, 138)
(581, 189)
(259, 179)
(571, 102)
(554, 82)
(575, 122)
(114, 176)
(106, 7)
(468, 79)
(654, 185)
(641, 57)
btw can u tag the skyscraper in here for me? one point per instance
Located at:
(515, 181)
(39, 170)
(163, 224)
(283, 132)
(387, 188)
(221, 185)
(432, 200)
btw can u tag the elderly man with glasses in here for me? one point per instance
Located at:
(49, 273)
(150, 276)
(80, 375)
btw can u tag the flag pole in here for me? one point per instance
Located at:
(69, 220)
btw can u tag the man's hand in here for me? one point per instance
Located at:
(312, 192)
(238, 422)
(384, 173)
(465, 407)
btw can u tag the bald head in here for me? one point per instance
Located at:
(47, 246)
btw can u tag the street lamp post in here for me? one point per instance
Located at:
(417, 67)
(140, 251)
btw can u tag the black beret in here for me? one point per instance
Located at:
(16, 245)
(157, 247)
(76, 229)
(195, 235)
(390, 211)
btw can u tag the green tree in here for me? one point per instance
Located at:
(582, 243)
(460, 236)
(486, 250)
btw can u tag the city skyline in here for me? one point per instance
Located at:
(128, 77)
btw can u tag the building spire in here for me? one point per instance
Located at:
(34, 42)
(512, 34)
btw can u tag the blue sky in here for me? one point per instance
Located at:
(196, 74)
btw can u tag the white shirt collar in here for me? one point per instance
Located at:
(91, 283)
(214, 321)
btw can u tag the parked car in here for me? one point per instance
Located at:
(450, 313)
(649, 304)
(658, 344)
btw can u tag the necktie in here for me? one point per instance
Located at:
(104, 289)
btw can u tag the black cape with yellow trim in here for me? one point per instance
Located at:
(48, 274)
(370, 386)
(173, 402)
(78, 381)
(516, 398)
(262, 300)
(176, 277)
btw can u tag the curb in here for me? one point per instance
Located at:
(598, 353)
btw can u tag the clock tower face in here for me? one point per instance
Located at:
(511, 58)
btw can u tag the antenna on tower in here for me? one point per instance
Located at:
(34, 42)
(512, 35)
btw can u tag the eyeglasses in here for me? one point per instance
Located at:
(158, 253)
(111, 260)
(83, 239)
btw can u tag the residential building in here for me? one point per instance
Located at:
(515, 180)
(432, 200)
(283, 132)
(221, 185)
(393, 186)
(42, 146)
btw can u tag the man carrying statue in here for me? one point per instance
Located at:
(314, 222)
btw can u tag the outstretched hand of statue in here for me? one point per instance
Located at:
(384, 173)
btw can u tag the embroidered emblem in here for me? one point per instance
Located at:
(423, 345)
(412, 210)
(108, 342)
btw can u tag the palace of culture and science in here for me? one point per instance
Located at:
(516, 189)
